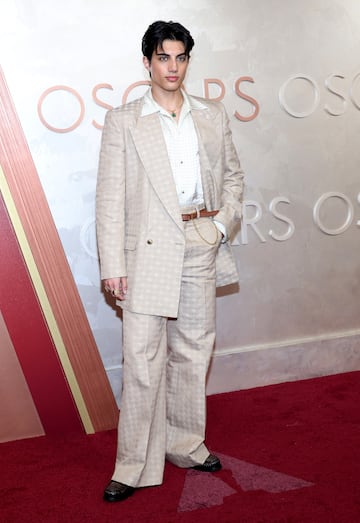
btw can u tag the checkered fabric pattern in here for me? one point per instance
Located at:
(173, 268)
(139, 227)
(163, 412)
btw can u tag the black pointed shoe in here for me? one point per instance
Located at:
(116, 491)
(211, 464)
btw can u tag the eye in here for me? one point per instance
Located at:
(163, 58)
(182, 58)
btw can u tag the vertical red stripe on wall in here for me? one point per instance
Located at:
(31, 338)
(40, 230)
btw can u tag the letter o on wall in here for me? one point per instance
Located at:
(285, 105)
(349, 217)
(71, 91)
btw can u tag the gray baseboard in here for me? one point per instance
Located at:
(256, 366)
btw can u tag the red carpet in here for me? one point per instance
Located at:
(291, 454)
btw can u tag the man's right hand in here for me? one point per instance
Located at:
(117, 287)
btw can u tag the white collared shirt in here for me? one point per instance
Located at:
(183, 150)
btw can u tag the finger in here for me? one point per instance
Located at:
(123, 285)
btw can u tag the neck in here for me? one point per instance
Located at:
(171, 101)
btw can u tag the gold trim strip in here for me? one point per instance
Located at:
(45, 304)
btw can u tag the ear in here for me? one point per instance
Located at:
(146, 63)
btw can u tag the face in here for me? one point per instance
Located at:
(168, 66)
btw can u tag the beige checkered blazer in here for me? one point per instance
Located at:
(139, 228)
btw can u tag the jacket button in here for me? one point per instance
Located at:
(149, 242)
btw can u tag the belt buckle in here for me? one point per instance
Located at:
(197, 211)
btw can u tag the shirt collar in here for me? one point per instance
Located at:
(150, 106)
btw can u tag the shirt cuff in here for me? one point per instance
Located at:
(221, 228)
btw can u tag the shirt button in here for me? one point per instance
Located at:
(149, 242)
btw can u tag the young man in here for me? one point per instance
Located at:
(168, 196)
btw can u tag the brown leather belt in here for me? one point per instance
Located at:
(201, 214)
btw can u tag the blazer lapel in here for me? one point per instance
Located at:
(151, 148)
(208, 150)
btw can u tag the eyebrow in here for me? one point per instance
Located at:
(166, 54)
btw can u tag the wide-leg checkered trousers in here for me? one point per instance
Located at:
(163, 410)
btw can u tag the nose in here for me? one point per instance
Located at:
(173, 65)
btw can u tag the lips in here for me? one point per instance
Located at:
(172, 78)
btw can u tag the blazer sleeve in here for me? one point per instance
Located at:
(110, 198)
(230, 211)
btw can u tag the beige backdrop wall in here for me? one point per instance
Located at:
(288, 73)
